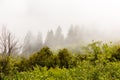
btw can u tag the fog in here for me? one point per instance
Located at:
(98, 18)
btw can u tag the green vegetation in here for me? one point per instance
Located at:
(98, 61)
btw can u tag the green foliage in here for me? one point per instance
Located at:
(7, 66)
(116, 55)
(42, 58)
(85, 71)
(65, 59)
(22, 65)
(100, 62)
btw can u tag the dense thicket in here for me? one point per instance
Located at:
(99, 61)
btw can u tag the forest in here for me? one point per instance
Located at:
(58, 57)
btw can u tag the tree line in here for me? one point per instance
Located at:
(53, 40)
(96, 55)
(9, 44)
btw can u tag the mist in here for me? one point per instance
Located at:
(43, 15)
(91, 20)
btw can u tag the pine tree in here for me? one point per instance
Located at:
(59, 38)
(49, 41)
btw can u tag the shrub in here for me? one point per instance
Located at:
(42, 58)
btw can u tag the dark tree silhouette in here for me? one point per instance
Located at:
(49, 41)
(59, 37)
(27, 44)
(73, 35)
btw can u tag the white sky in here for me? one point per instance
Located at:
(43, 15)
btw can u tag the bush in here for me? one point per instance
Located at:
(42, 58)
(101, 62)
(65, 59)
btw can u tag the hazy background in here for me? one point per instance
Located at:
(99, 16)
